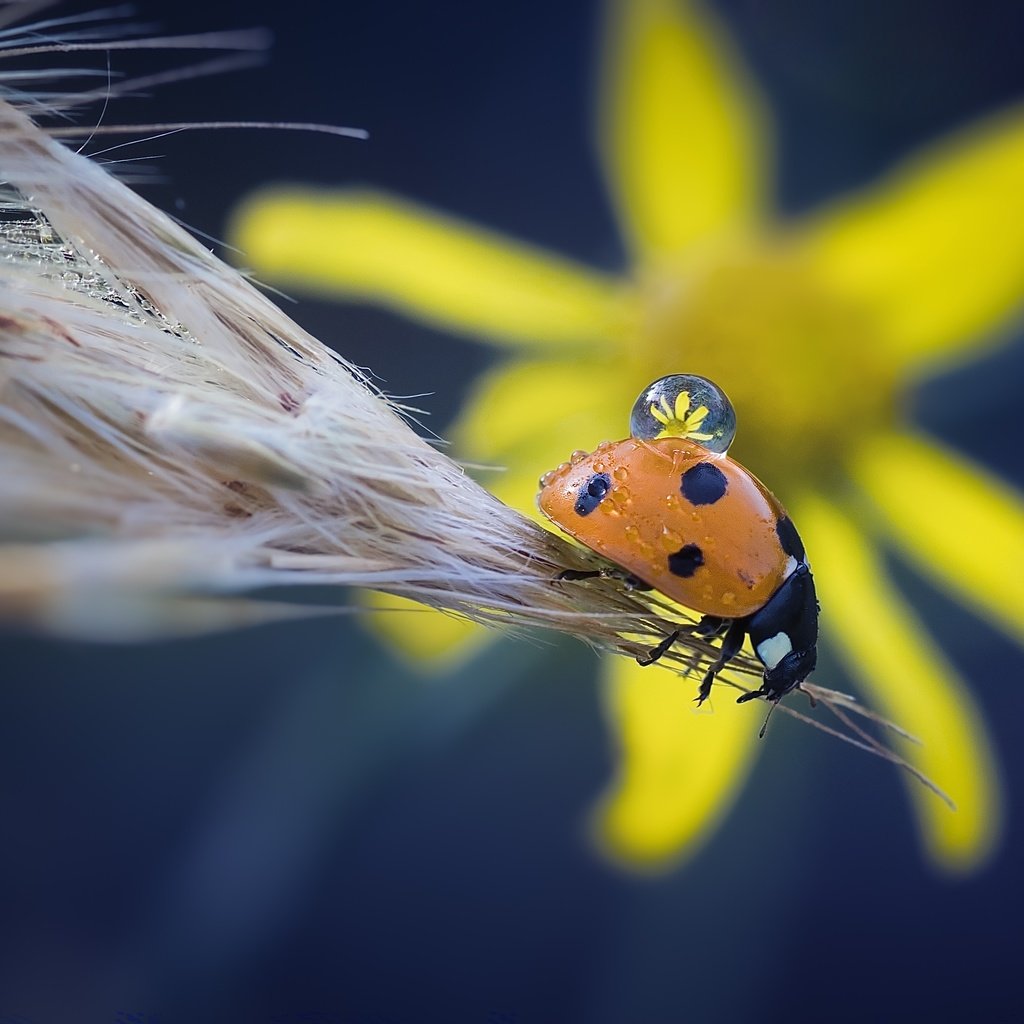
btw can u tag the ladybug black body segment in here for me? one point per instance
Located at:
(697, 526)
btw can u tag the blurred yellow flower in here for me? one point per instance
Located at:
(816, 329)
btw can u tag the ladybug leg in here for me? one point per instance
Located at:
(656, 652)
(578, 574)
(630, 581)
(707, 628)
(710, 626)
(731, 645)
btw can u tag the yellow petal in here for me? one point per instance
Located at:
(960, 525)
(909, 681)
(527, 417)
(680, 130)
(424, 264)
(551, 405)
(935, 252)
(680, 768)
(429, 640)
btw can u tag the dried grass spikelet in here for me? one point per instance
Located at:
(171, 443)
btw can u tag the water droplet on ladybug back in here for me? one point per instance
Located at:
(688, 406)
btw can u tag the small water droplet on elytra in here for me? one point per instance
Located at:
(670, 540)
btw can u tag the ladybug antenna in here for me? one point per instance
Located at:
(767, 719)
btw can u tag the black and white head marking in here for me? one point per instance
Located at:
(784, 633)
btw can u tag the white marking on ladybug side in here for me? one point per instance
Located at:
(774, 649)
(791, 564)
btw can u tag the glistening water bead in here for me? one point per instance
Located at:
(688, 406)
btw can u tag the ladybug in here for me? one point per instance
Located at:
(679, 516)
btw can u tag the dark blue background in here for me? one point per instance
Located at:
(285, 825)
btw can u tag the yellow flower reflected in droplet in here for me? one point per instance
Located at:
(679, 420)
(816, 329)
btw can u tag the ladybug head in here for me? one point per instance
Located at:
(794, 668)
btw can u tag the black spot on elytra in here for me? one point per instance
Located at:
(592, 493)
(686, 561)
(703, 484)
(789, 538)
